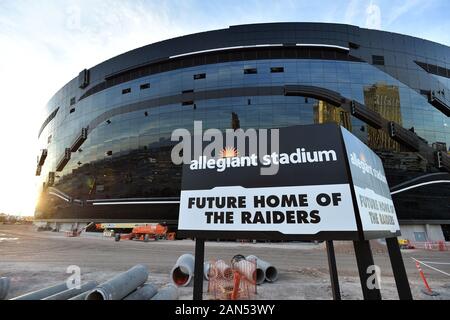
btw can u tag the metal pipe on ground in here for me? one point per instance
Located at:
(169, 292)
(4, 287)
(270, 272)
(146, 292)
(183, 271)
(224, 269)
(121, 285)
(43, 293)
(73, 292)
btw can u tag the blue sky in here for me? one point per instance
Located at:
(46, 43)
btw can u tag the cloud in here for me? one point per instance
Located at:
(396, 12)
(43, 47)
(351, 11)
(373, 16)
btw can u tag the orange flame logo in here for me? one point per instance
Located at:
(228, 152)
(362, 157)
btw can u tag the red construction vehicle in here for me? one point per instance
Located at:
(144, 233)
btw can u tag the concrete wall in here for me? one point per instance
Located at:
(433, 232)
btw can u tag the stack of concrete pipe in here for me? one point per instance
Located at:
(129, 285)
(183, 271)
(263, 268)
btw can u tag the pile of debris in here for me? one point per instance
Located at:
(129, 285)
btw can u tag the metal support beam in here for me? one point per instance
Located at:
(398, 268)
(333, 271)
(198, 268)
(364, 260)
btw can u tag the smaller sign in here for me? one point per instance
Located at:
(373, 196)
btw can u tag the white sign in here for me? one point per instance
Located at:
(288, 210)
(373, 196)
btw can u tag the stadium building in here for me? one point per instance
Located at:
(104, 144)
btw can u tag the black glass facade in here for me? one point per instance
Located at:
(107, 132)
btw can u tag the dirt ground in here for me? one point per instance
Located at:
(33, 260)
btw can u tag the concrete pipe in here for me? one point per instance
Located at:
(146, 292)
(73, 292)
(208, 271)
(169, 292)
(223, 269)
(121, 285)
(81, 296)
(237, 258)
(270, 272)
(4, 287)
(43, 293)
(183, 271)
(248, 269)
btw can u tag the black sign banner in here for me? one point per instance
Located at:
(311, 196)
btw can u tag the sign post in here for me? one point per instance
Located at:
(398, 268)
(333, 271)
(364, 259)
(198, 268)
(327, 185)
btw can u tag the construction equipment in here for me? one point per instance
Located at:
(170, 235)
(405, 244)
(108, 233)
(120, 225)
(145, 233)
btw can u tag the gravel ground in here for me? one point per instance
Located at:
(34, 260)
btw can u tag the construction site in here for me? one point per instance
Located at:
(33, 260)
